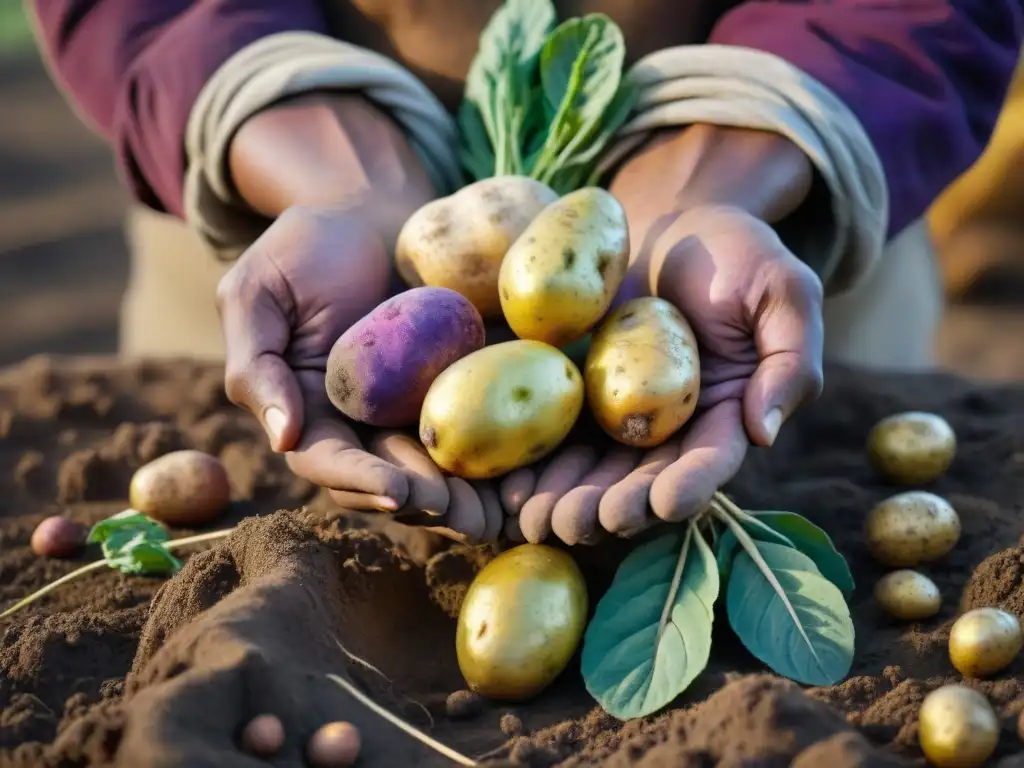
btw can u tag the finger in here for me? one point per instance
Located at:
(362, 501)
(574, 518)
(427, 488)
(624, 507)
(517, 487)
(790, 337)
(330, 455)
(513, 532)
(465, 520)
(561, 474)
(256, 335)
(712, 452)
(494, 516)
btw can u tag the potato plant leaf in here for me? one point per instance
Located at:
(788, 615)
(134, 543)
(813, 542)
(651, 633)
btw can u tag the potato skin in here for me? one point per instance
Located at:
(380, 369)
(181, 488)
(911, 448)
(500, 408)
(983, 641)
(559, 278)
(908, 595)
(911, 528)
(957, 727)
(643, 373)
(459, 241)
(521, 622)
(58, 536)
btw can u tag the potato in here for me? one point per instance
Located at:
(181, 488)
(459, 241)
(911, 448)
(520, 622)
(983, 641)
(911, 528)
(380, 369)
(957, 727)
(642, 375)
(263, 736)
(57, 536)
(500, 408)
(908, 595)
(334, 745)
(559, 278)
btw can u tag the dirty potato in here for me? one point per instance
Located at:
(186, 488)
(911, 448)
(559, 277)
(642, 373)
(911, 528)
(983, 641)
(458, 242)
(957, 727)
(908, 595)
(500, 408)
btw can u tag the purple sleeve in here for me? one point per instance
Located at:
(133, 68)
(926, 79)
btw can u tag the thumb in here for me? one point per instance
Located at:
(256, 333)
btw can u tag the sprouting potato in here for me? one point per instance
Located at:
(181, 488)
(911, 448)
(983, 641)
(911, 528)
(500, 408)
(521, 622)
(908, 595)
(458, 242)
(957, 727)
(642, 374)
(560, 276)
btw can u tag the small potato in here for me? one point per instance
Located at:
(911, 528)
(380, 369)
(500, 408)
(984, 641)
(911, 448)
(335, 745)
(459, 242)
(957, 727)
(263, 736)
(181, 488)
(560, 276)
(908, 595)
(58, 537)
(643, 374)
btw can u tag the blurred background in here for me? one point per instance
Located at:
(63, 262)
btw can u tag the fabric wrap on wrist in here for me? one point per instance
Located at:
(745, 88)
(288, 64)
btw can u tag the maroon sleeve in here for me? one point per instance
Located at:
(926, 79)
(133, 68)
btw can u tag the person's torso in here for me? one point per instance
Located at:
(437, 39)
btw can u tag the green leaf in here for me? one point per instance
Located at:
(134, 543)
(651, 633)
(813, 542)
(800, 625)
(145, 558)
(127, 524)
(727, 545)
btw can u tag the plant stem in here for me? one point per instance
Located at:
(677, 578)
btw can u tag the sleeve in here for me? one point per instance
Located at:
(926, 80)
(134, 68)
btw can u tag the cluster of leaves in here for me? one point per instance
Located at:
(785, 586)
(134, 543)
(543, 101)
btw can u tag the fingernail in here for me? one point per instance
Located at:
(386, 504)
(772, 424)
(275, 420)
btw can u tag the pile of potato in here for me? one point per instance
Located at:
(957, 725)
(509, 248)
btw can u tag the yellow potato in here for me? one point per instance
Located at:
(500, 408)
(521, 621)
(642, 374)
(957, 727)
(458, 242)
(911, 448)
(983, 641)
(908, 595)
(558, 279)
(911, 528)
(181, 488)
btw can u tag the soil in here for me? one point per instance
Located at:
(136, 671)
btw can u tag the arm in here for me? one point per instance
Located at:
(134, 70)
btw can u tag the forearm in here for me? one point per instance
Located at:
(329, 149)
